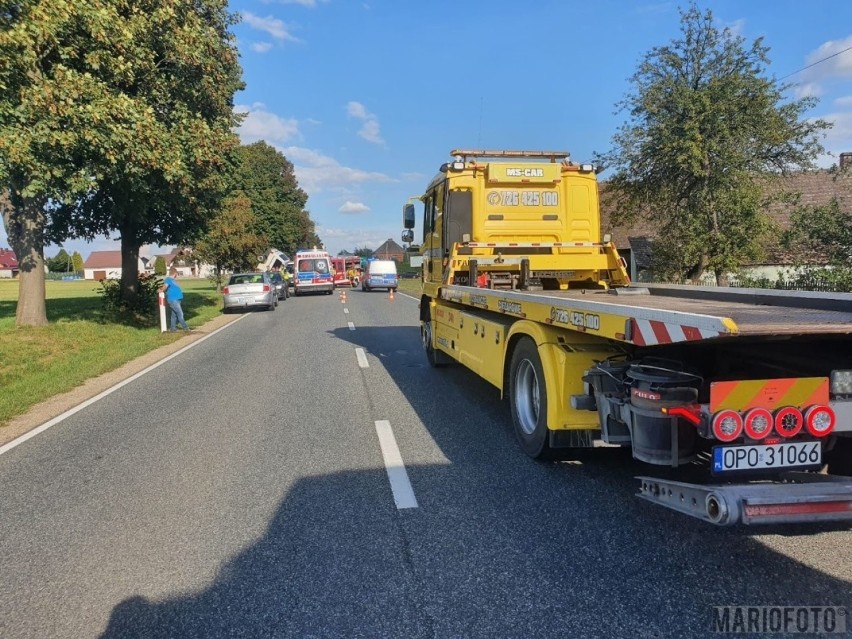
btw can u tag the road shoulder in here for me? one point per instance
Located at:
(58, 404)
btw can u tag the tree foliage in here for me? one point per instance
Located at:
(707, 130)
(823, 234)
(115, 116)
(231, 244)
(159, 265)
(267, 178)
(60, 263)
(77, 262)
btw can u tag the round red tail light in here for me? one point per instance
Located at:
(758, 423)
(820, 420)
(727, 425)
(788, 421)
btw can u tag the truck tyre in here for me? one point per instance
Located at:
(528, 399)
(436, 358)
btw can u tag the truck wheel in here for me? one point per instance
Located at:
(528, 399)
(436, 358)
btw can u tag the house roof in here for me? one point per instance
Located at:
(8, 259)
(103, 259)
(814, 188)
(388, 247)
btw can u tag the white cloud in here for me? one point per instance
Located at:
(356, 110)
(317, 172)
(737, 27)
(844, 102)
(838, 139)
(337, 239)
(830, 60)
(370, 130)
(808, 90)
(260, 124)
(310, 4)
(354, 207)
(273, 26)
(261, 47)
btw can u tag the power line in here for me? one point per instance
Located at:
(817, 62)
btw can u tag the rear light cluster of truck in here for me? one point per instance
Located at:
(757, 423)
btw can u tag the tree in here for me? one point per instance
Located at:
(185, 71)
(159, 265)
(60, 263)
(230, 243)
(115, 116)
(707, 132)
(267, 178)
(823, 234)
(363, 252)
(77, 262)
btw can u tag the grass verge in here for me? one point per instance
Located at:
(38, 363)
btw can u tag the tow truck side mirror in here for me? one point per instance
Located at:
(408, 217)
(408, 235)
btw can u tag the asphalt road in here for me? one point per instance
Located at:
(240, 490)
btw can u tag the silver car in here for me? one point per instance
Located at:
(247, 290)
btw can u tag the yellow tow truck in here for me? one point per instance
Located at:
(519, 286)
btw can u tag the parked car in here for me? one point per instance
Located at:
(379, 274)
(280, 284)
(247, 290)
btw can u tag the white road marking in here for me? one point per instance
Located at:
(351, 326)
(346, 310)
(403, 493)
(59, 418)
(362, 358)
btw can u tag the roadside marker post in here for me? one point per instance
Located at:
(162, 301)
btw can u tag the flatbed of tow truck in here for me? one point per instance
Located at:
(709, 316)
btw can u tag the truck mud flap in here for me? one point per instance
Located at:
(803, 498)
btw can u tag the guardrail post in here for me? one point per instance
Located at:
(162, 300)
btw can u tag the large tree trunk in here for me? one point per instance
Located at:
(697, 271)
(24, 219)
(129, 262)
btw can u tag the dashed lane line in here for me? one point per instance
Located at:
(403, 493)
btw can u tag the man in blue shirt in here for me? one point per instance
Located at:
(174, 295)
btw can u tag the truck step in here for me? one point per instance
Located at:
(823, 498)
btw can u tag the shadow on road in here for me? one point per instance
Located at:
(501, 546)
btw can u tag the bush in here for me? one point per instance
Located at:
(139, 311)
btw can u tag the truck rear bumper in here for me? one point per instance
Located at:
(800, 498)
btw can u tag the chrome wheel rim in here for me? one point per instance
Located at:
(426, 336)
(527, 397)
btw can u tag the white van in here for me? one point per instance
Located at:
(379, 274)
(312, 272)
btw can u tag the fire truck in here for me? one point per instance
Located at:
(752, 386)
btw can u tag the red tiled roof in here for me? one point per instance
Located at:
(103, 259)
(8, 259)
(814, 188)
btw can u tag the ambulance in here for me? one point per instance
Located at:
(312, 272)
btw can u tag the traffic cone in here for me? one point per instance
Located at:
(390, 294)
(343, 297)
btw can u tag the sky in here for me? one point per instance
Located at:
(368, 98)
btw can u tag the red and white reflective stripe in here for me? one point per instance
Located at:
(653, 332)
(162, 297)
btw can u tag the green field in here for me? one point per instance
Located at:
(38, 363)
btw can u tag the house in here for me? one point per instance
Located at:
(389, 250)
(814, 188)
(8, 263)
(102, 265)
